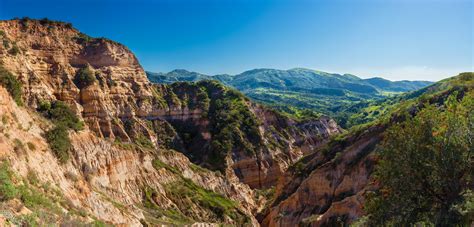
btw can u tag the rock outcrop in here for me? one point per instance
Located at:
(326, 188)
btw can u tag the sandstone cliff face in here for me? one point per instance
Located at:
(104, 180)
(51, 54)
(278, 141)
(285, 141)
(326, 188)
(116, 106)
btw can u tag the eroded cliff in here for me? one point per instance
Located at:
(127, 165)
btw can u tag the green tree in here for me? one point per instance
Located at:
(84, 77)
(426, 168)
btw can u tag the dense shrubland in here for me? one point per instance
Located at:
(232, 125)
(426, 169)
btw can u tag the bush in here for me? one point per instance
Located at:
(31, 146)
(12, 85)
(7, 188)
(59, 142)
(24, 21)
(82, 38)
(18, 146)
(144, 142)
(6, 44)
(61, 115)
(84, 78)
(14, 50)
(45, 21)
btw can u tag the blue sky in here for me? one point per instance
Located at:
(394, 39)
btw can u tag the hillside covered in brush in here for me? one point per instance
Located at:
(411, 165)
(296, 90)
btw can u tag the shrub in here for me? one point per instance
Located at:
(7, 188)
(31, 146)
(45, 21)
(12, 85)
(6, 44)
(83, 38)
(18, 145)
(24, 21)
(60, 113)
(59, 142)
(84, 78)
(144, 142)
(88, 172)
(32, 177)
(426, 167)
(71, 176)
(14, 50)
(4, 119)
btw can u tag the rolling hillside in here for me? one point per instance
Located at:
(294, 90)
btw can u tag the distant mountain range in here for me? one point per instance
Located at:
(297, 89)
(293, 79)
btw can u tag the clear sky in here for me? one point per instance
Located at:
(394, 39)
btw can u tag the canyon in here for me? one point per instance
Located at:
(108, 176)
(87, 138)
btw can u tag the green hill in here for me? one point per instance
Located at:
(298, 90)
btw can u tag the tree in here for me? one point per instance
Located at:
(84, 77)
(426, 168)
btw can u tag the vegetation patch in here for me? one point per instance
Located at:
(161, 215)
(426, 167)
(46, 204)
(61, 115)
(59, 142)
(158, 164)
(233, 125)
(12, 84)
(31, 146)
(64, 119)
(14, 50)
(186, 194)
(7, 188)
(144, 142)
(84, 77)
(186, 190)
